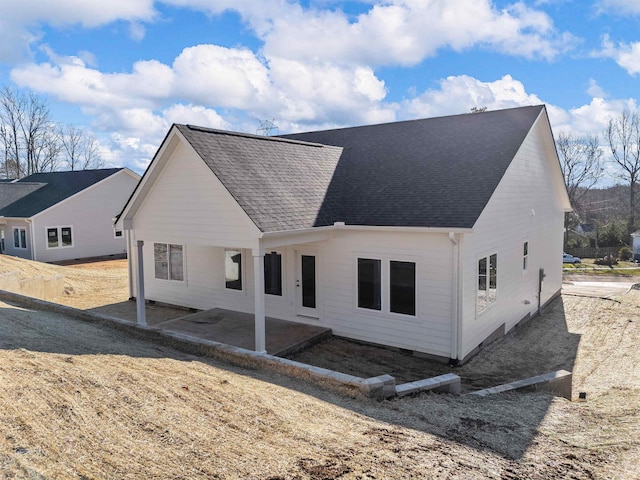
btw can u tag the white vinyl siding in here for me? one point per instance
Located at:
(90, 213)
(524, 205)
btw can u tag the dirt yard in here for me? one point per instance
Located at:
(82, 402)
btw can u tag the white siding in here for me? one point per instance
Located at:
(524, 208)
(188, 204)
(90, 213)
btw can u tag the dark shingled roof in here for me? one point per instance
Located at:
(43, 190)
(11, 192)
(280, 184)
(436, 172)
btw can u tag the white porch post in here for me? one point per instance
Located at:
(141, 313)
(258, 283)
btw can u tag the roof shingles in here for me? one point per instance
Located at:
(437, 172)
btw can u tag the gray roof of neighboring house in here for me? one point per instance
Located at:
(40, 191)
(436, 172)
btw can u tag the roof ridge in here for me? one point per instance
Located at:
(252, 136)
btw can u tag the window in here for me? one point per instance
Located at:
(402, 287)
(369, 283)
(20, 238)
(233, 269)
(273, 273)
(58, 237)
(487, 281)
(525, 257)
(169, 262)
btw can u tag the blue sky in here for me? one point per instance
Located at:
(127, 69)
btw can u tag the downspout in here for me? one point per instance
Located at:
(456, 289)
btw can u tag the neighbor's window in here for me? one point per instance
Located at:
(233, 269)
(59, 237)
(20, 238)
(369, 283)
(273, 273)
(402, 287)
(525, 256)
(169, 261)
(487, 281)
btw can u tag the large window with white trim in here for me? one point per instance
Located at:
(169, 261)
(370, 283)
(387, 285)
(59, 237)
(487, 292)
(402, 287)
(19, 237)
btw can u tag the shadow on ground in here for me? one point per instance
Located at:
(505, 424)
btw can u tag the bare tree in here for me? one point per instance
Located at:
(623, 135)
(79, 148)
(31, 142)
(581, 163)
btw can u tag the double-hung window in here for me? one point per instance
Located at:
(169, 261)
(58, 237)
(387, 285)
(487, 292)
(20, 238)
(525, 257)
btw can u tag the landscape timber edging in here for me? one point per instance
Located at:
(379, 388)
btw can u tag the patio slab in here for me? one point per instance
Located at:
(237, 328)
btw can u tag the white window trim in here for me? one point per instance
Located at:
(26, 243)
(486, 256)
(243, 270)
(385, 285)
(184, 263)
(59, 228)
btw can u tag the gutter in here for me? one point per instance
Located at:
(374, 228)
(456, 324)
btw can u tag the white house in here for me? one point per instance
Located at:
(65, 215)
(430, 235)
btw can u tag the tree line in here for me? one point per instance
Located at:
(583, 160)
(32, 142)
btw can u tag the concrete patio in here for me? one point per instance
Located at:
(237, 329)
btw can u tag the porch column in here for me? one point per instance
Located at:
(141, 313)
(258, 283)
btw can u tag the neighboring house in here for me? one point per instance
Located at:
(635, 245)
(428, 235)
(65, 215)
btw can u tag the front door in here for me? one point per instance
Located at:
(306, 284)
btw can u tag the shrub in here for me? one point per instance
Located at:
(606, 260)
(625, 254)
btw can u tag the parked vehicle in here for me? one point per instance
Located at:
(566, 258)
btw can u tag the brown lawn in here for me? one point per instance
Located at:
(80, 401)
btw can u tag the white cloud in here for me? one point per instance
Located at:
(404, 32)
(626, 55)
(618, 7)
(595, 90)
(459, 94)
(20, 20)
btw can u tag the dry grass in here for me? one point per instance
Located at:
(81, 402)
